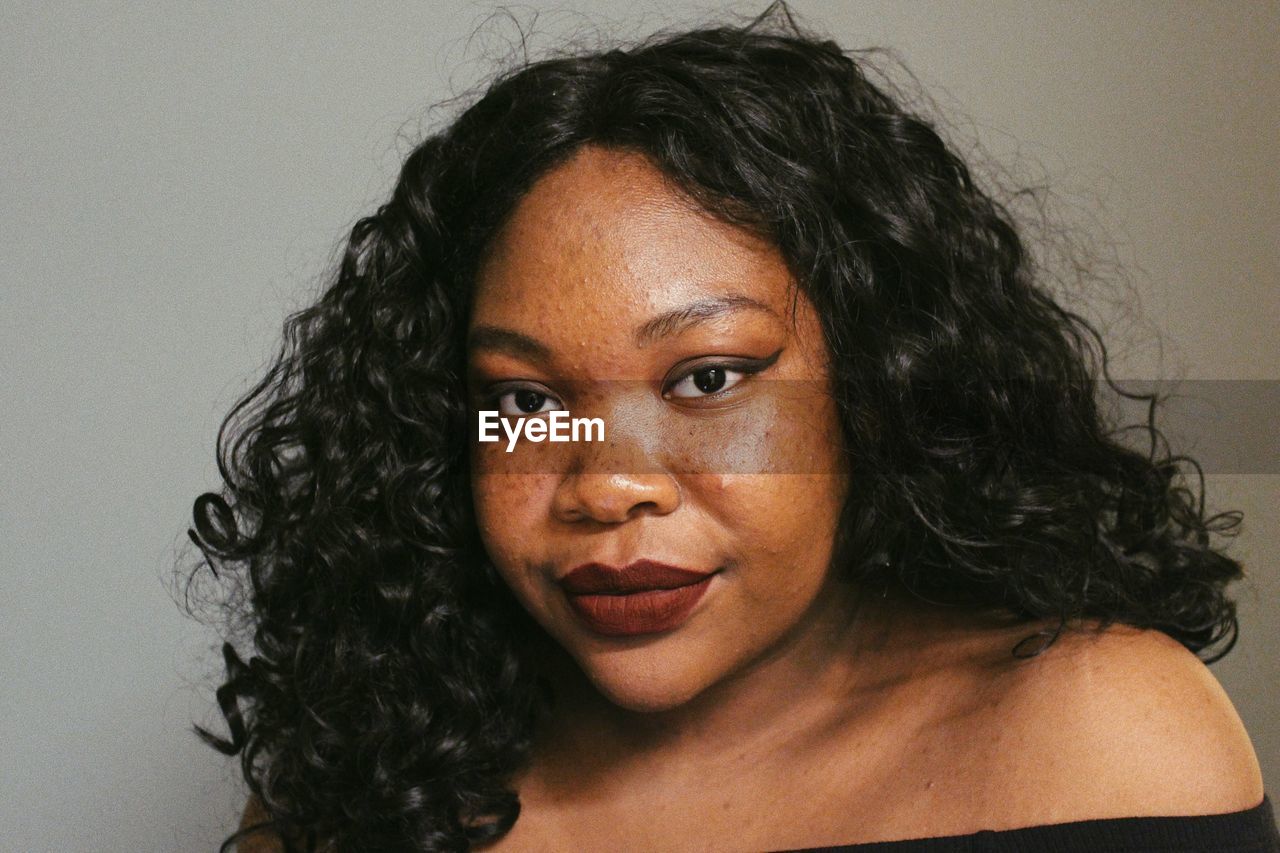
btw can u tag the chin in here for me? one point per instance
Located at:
(643, 683)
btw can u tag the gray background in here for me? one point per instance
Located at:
(177, 177)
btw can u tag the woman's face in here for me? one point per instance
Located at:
(611, 296)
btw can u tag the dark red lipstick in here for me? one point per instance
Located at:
(643, 598)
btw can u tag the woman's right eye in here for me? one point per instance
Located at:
(523, 402)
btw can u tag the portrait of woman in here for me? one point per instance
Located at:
(857, 560)
(640, 426)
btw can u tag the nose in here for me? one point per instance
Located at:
(611, 498)
(617, 479)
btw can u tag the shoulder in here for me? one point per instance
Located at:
(262, 841)
(1125, 722)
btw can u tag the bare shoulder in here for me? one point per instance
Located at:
(1123, 721)
(262, 841)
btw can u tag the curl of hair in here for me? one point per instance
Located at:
(392, 688)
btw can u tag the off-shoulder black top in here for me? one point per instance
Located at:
(1249, 831)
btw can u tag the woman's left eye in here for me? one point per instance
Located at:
(706, 381)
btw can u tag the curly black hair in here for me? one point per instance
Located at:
(393, 687)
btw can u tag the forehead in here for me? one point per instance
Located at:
(609, 232)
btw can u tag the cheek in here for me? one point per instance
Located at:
(783, 504)
(508, 508)
(787, 518)
(790, 429)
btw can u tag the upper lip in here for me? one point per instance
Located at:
(599, 578)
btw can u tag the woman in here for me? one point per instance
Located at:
(856, 558)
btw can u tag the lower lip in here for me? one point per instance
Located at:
(645, 612)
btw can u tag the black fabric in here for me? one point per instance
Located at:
(1249, 831)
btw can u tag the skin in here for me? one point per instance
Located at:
(596, 250)
(791, 709)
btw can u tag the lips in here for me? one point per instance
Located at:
(642, 598)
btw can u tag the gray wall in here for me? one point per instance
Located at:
(175, 178)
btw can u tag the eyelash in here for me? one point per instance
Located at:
(745, 370)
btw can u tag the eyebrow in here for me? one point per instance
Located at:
(677, 320)
(507, 340)
(663, 325)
